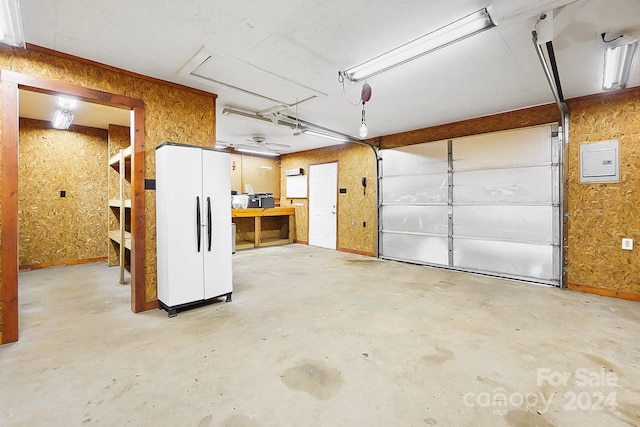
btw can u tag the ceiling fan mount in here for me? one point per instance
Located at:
(260, 142)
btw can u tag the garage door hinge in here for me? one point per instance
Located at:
(555, 134)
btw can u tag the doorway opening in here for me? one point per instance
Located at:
(12, 83)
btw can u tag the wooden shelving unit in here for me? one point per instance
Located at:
(121, 162)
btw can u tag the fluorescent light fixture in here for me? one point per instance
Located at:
(470, 25)
(62, 119)
(325, 135)
(261, 153)
(618, 59)
(11, 32)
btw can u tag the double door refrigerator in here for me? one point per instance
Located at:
(193, 225)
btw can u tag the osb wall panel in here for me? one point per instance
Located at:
(171, 114)
(119, 138)
(600, 215)
(526, 117)
(53, 228)
(262, 173)
(354, 207)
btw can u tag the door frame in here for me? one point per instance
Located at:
(337, 200)
(11, 82)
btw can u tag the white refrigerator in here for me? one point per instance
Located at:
(193, 225)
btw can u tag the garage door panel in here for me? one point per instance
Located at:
(419, 219)
(417, 248)
(419, 159)
(496, 208)
(503, 148)
(415, 189)
(508, 186)
(511, 258)
(517, 223)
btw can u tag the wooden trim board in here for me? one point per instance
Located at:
(604, 292)
(356, 251)
(9, 203)
(61, 263)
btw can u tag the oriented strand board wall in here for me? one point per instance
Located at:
(53, 228)
(262, 173)
(600, 215)
(119, 138)
(354, 207)
(171, 114)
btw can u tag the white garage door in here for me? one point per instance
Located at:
(487, 203)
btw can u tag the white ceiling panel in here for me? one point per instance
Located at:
(287, 50)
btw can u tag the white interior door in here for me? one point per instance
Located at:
(323, 199)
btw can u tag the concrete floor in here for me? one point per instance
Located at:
(321, 338)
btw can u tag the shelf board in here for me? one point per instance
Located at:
(115, 203)
(115, 236)
(273, 241)
(114, 161)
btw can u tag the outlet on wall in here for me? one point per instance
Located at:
(627, 244)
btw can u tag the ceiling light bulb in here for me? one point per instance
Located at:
(364, 131)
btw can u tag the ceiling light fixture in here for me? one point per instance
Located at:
(62, 119)
(470, 25)
(365, 95)
(63, 116)
(618, 60)
(259, 152)
(11, 32)
(67, 103)
(325, 135)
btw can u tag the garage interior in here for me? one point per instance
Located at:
(474, 263)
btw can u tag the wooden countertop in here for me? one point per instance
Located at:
(254, 212)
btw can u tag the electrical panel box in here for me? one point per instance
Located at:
(600, 162)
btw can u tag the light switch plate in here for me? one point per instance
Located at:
(627, 244)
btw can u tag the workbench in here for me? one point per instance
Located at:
(259, 227)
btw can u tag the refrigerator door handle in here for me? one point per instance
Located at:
(198, 222)
(209, 223)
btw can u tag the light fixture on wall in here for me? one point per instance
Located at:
(467, 26)
(11, 32)
(63, 116)
(618, 60)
